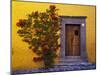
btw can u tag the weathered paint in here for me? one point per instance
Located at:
(22, 56)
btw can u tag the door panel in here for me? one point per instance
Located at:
(72, 40)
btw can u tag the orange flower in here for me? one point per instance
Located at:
(54, 16)
(18, 24)
(36, 13)
(21, 23)
(37, 59)
(52, 6)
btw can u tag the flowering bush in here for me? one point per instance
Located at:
(39, 30)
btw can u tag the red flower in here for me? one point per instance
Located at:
(53, 48)
(33, 13)
(36, 59)
(45, 51)
(52, 6)
(36, 13)
(30, 47)
(21, 23)
(60, 27)
(18, 24)
(59, 45)
(34, 50)
(27, 40)
(54, 16)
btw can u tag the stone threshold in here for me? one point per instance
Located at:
(59, 68)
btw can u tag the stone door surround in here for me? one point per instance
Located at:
(79, 20)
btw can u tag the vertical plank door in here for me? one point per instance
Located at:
(72, 40)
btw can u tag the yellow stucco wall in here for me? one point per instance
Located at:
(22, 56)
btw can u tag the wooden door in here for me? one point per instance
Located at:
(72, 40)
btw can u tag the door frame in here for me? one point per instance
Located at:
(80, 20)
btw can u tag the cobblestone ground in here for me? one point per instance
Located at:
(58, 68)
